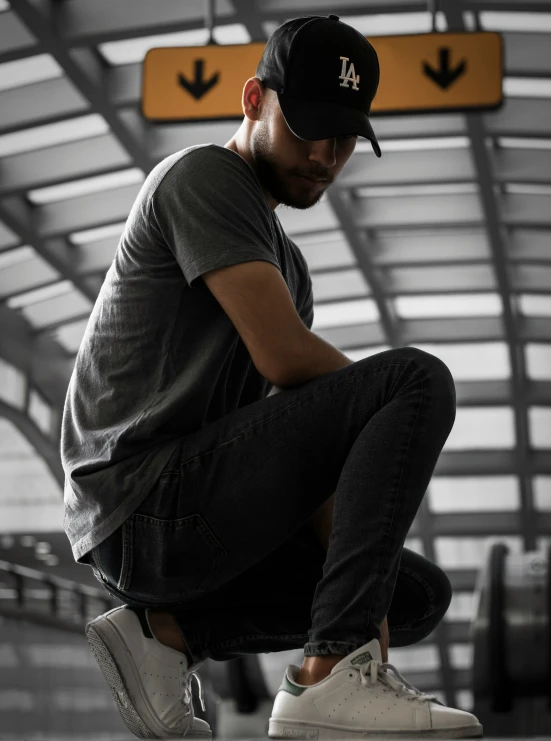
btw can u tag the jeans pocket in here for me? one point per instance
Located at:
(168, 560)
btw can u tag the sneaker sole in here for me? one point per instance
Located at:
(301, 730)
(125, 706)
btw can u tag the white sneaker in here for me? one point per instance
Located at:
(359, 696)
(151, 683)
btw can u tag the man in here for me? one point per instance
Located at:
(227, 521)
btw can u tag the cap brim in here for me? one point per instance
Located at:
(314, 119)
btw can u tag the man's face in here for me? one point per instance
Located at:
(285, 164)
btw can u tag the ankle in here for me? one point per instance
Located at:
(315, 668)
(166, 631)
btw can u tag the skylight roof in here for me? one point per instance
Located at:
(133, 51)
(26, 71)
(527, 87)
(391, 24)
(87, 185)
(472, 304)
(37, 137)
(101, 232)
(516, 21)
(415, 144)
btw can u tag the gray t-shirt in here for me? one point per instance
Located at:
(160, 358)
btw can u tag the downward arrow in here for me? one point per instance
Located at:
(444, 76)
(199, 86)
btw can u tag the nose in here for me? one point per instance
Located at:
(323, 152)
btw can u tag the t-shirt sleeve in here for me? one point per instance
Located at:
(307, 310)
(212, 213)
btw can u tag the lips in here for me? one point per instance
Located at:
(315, 180)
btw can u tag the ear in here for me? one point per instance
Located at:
(254, 98)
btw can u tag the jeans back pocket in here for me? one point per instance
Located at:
(168, 560)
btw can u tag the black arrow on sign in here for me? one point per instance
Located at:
(199, 86)
(444, 76)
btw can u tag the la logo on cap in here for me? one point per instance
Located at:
(349, 76)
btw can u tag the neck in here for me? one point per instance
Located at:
(239, 144)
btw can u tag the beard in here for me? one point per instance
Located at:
(283, 188)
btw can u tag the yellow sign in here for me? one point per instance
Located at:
(439, 72)
(419, 73)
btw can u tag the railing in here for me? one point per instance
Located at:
(50, 600)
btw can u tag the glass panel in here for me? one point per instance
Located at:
(477, 361)
(462, 607)
(101, 232)
(535, 304)
(471, 552)
(390, 24)
(373, 191)
(526, 87)
(340, 285)
(70, 335)
(365, 352)
(325, 251)
(24, 275)
(474, 494)
(461, 655)
(40, 412)
(16, 256)
(415, 544)
(472, 304)
(343, 313)
(85, 186)
(12, 385)
(542, 493)
(530, 189)
(40, 294)
(482, 428)
(26, 71)
(465, 700)
(491, 20)
(538, 361)
(58, 309)
(416, 144)
(61, 132)
(517, 142)
(30, 497)
(539, 425)
(133, 51)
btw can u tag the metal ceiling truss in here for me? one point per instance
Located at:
(69, 32)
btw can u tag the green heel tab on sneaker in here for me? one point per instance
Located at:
(292, 689)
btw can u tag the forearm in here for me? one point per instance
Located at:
(315, 358)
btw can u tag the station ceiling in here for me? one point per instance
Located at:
(443, 244)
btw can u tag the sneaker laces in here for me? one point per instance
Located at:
(186, 696)
(374, 670)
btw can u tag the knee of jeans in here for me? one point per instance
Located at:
(438, 372)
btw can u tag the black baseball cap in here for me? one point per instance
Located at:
(325, 74)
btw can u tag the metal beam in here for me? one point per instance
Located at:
(341, 204)
(424, 518)
(45, 447)
(89, 83)
(497, 238)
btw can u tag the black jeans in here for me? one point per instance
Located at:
(224, 542)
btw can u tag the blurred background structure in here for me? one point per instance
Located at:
(443, 244)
